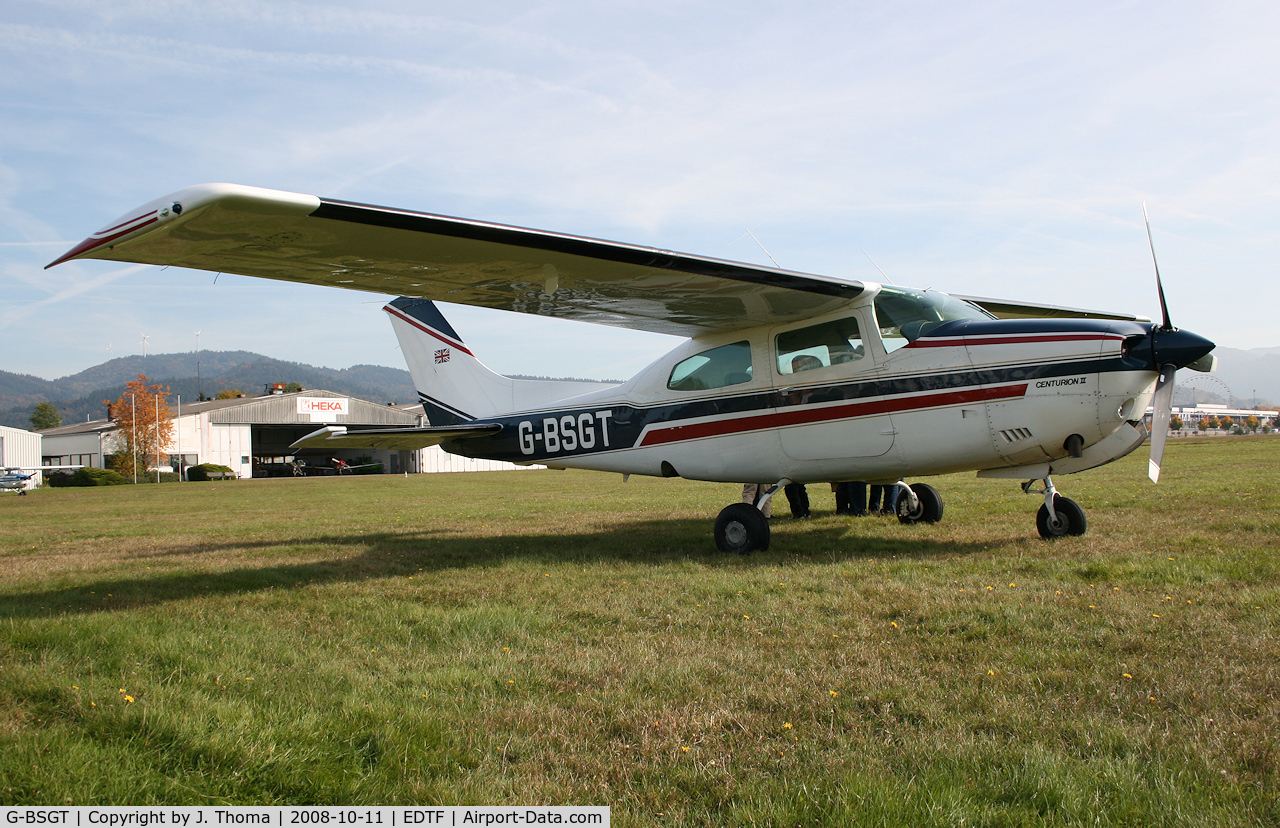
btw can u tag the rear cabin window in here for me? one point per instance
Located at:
(819, 346)
(717, 368)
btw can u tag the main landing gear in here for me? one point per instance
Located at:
(742, 527)
(918, 503)
(1058, 516)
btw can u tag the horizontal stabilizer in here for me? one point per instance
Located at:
(407, 439)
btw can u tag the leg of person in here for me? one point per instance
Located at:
(859, 501)
(751, 492)
(790, 491)
(891, 494)
(844, 497)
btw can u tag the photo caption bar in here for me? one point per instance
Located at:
(283, 816)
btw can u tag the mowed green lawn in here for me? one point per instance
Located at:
(543, 637)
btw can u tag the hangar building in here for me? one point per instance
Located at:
(20, 448)
(252, 435)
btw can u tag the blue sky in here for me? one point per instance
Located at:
(996, 149)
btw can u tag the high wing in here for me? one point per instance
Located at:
(337, 436)
(1004, 309)
(38, 468)
(302, 238)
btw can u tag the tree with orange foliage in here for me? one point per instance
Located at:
(145, 425)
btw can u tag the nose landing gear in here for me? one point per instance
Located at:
(1058, 516)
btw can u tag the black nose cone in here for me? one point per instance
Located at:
(1181, 348)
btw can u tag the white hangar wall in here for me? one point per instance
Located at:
(435, 459)
(20, 448)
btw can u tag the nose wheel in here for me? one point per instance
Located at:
(1058, 516)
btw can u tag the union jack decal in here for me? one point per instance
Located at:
(442, 355)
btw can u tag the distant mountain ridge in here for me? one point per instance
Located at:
(79, 396)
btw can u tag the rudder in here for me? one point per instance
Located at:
(453, 385)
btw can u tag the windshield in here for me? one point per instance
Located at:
(904, 314)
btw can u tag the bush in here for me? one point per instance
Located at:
(205, 470)
(165, 477)
(86, 477)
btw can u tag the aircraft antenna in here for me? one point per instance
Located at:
(877, 267)
(762, 247)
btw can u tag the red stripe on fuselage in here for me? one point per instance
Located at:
(810, 416)
(1014, 339)
(415, 323)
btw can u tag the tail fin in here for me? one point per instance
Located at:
(455, 387)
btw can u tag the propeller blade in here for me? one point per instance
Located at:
(1164, 308)
(1163, 410)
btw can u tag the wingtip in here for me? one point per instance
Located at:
(83, 247)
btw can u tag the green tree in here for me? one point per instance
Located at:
(1175, 423)
(229, 394)
(293, 387)
(45, 416)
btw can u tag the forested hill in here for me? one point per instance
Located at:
(79, 396)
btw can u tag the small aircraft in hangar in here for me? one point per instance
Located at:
(784, 376)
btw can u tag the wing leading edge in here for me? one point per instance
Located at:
(302, 238)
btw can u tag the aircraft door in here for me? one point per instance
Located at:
(829, 400)
(933, 384)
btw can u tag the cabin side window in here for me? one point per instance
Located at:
(716, 368)
(819, 346)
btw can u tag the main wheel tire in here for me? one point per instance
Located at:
(1068, 519)
(928, 510)
(742, 529)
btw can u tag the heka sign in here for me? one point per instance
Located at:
(324, 409)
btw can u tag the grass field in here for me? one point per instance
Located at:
(568, 638)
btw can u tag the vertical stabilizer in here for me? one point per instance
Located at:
(453, 385)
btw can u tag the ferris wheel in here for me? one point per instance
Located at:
(1206, 382)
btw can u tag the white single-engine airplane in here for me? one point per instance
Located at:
(18, 478)
(785, 377)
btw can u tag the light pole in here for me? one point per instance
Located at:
(133, 430)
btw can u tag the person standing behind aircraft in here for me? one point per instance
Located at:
(799, 500)
(751, 492)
